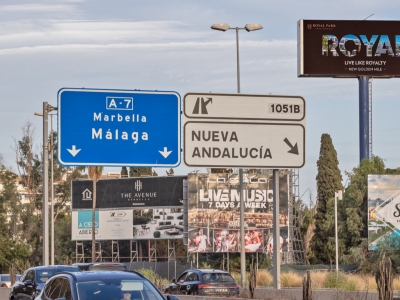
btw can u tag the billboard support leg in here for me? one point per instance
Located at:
(363, 89)
(80, 251)
(276, 233)
(134, 251)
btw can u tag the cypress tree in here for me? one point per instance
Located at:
(329, 180)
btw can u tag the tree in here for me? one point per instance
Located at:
(94, 174)
(124, 172)
(329, 180)
(221, 170)
(170, 172)
(138, 172)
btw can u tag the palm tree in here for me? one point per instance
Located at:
(94, 174)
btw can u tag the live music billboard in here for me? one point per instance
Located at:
(332, 48)
(214, 212)
(133, 193)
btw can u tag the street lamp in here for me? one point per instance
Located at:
(248, 27)
(45, 211)
(338, 196)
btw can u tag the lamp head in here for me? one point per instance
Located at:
(220, 26)
(38, 113)
(253, 27)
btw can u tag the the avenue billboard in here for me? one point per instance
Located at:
(136, 193)
(332, 48)
(384, 212)
(213, 212)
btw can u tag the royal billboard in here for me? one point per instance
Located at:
(214, 212)
(137, 193)
(332, 48)
(383, 212)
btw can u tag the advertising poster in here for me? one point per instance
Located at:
(214, 212)
(134, 192)
(348, 48)
(109, 225)
(159, 223)
(384, 212)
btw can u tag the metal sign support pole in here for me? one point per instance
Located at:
(363, 87)
(45, 210)
(242, 246)
(276, 233)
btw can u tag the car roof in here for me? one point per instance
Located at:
(51, 267)
(98, 275)
(207, 271)
(98, 263)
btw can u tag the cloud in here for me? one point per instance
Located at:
(36, 7)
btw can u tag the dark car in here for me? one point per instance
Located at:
(32, 281)
(204, 282)
(102, 285)
(101, 266)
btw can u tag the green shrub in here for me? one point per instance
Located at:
(335, 280)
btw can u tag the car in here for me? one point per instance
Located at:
(101, 285)
(32, 281)
(5, 280)
(204, 282)
(97, 266)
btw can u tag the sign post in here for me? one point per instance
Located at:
(118, 128)
(246, 131)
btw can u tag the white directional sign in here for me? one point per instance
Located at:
(245, 131)
(244, 107)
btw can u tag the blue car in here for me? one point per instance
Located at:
(31, 283)
(101, 285)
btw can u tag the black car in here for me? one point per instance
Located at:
(32, 281)
(101, 285)
(101, 266)
(204, 282)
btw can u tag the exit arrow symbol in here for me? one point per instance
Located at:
(165, 153)
(74, 151)
(292, 150)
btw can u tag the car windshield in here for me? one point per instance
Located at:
(210, 277)
(43, 275)
(118, 289)
(5, 278)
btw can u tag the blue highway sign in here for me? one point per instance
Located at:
(119, 128)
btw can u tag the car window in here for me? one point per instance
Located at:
(192, 277)
(22, 278)
(110, 288)
(182, 277)
(30, 275)
(54, 290)
(43, 275)
(66, 290)
(5, 278)
(212, 277)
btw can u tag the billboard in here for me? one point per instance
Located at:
(383, 212)
(333, 48)
(214, 212)
(159, 223)
(109, 225)
(137, 193)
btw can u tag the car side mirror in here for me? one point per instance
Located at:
(28, 282)
(173, 280)
(172, 297)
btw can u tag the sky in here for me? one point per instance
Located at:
(169, 45)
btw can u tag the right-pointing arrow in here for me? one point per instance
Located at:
(293, 149)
